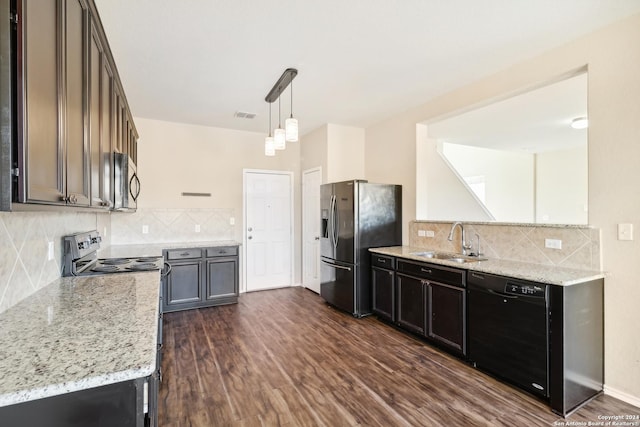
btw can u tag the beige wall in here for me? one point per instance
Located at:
(177, 157)
(314, 149)
(613, 60)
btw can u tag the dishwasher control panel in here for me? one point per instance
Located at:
(522, 289)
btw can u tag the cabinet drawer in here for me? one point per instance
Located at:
(450, 276)
(222, 251)
(184, 253)
(383, 261)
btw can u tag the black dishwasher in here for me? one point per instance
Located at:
(508, 330)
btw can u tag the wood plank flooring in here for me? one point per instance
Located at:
(285, 358)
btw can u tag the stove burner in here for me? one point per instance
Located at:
(147, 259)
(143, 266)
(114, 261)
(105, 268)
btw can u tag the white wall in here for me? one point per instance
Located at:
(560, 196)
(509, 179)
(177, 157)
(613, 61)
(345, 146)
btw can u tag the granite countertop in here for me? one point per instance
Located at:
(155, 249)
(78, 333)
(521, 270)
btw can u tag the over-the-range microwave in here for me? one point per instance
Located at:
(126, 183)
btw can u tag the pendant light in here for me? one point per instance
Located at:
(279, 134)
(291, 124)
(269, 145)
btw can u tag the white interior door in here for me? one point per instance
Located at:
(268, 233)
(311, 180)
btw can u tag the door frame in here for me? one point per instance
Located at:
(302, 227)
(245, 172)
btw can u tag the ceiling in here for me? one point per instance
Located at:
(359, 61)
(534, 122)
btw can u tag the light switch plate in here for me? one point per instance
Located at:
(232, 221)
(625, 231)
(197, 228)
(422, 233)
(145, 229)
(430, 233)
(50, 251)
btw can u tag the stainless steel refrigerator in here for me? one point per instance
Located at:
(356, 215)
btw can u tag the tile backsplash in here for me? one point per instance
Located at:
(526, 243)
(172, 225)
(24, 243)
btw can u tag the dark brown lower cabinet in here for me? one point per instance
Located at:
(411, 303)
(447, 315)
(384, 299)
(200, 277)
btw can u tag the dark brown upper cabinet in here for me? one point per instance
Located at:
(71, 113)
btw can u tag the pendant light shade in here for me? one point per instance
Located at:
(279, 139)
(279, 134)
(291, 124)
(269, 146)
(291, 129)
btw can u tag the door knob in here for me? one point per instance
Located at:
(249, 229)
(317, 238)
(249, 237)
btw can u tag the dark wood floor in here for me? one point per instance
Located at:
(284, 357)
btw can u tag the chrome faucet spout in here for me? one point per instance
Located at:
(463, 244)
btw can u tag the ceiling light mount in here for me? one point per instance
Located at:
(285, 79)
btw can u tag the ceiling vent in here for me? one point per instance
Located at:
(244, 115)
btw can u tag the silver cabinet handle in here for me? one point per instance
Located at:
(424, 270)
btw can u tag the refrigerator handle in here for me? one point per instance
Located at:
(336, 223)
(336, 266)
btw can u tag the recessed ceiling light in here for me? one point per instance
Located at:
(580, 123)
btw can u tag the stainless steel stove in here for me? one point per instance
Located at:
(80, 258)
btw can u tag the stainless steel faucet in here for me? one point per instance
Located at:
(463, 244)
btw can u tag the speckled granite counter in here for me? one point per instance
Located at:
(78, 333)
(155, 249)
(535, 272)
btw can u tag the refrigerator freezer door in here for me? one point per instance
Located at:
(345, 231)
(338, 285)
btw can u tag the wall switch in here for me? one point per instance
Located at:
(625, 231)
(197, 228)
(104, 232)
(553, 243)
(422, 233)
(50, 251)
(430, 233)
(232, 221)
(145, 229)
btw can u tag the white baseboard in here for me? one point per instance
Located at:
(625, 397)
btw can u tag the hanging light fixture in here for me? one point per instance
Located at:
(269, 145)
(279, 134)
(291, 124)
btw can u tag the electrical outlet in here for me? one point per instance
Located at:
(553, 243)
(197, 228)
(145, 229)
(232, 221)
(50, 251)
(430, 233)
(422, 233)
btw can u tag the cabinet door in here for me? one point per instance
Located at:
(382, 281)
(411, 303)
(41, 76)
(106, 131)
(447, 315)
(99, 147)
(222, 280)
(183, 283)
(77, 150)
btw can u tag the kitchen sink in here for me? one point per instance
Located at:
(459, 258)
